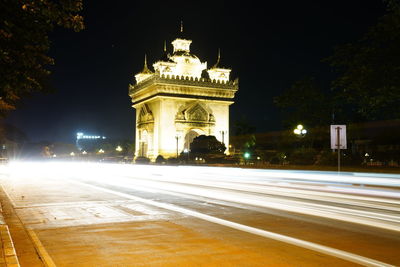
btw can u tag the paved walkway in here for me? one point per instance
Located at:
(8, 256)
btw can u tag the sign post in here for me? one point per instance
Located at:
(338, 139)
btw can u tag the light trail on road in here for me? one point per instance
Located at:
(366, 205)
(294, 241)
(372, 200)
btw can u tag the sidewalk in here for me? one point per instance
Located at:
(8, 257)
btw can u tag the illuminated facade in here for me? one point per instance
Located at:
(180, 100)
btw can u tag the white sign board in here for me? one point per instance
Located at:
(338, 137)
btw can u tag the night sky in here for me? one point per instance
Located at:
(268, 48)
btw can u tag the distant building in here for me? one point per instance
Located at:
(86, 142)
(180, 100)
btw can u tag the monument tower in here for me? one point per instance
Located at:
(180, 100)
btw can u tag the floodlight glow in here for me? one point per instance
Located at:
(72, 154)
(247, 155)
(300, 131)
(119, 148)
(81, 135)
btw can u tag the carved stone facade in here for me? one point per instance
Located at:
(179, 101)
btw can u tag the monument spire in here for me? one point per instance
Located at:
(216, 65)
(165, 56)
(145, 68)
(181, 26)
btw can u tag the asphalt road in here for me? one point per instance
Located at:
(86, 214)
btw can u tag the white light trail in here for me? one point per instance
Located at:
(320, 194)
(283, 238)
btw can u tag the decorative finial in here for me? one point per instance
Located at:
(145, 68)
(181, 26)
(216, 65)
(145, 62)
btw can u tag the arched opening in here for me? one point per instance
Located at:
(143, 144)
(190, 135)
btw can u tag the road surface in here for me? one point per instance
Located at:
(87, 214)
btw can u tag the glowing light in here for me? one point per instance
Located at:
(72, 154)
(246, 155)
(101, 151)
(119, 148)
(300, 131)
(81, 135)
(84, 152)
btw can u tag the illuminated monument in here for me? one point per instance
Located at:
(180, 100)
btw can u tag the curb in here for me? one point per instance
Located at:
(8, 256)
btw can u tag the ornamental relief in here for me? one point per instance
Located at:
(195, 113)
(145, 115)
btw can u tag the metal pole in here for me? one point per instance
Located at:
(338, 144)
(188, 147)
(176, 146)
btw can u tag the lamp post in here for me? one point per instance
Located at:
(177, 144)
(223, 138)
(223, 135)
(246, 156)
(300, 131)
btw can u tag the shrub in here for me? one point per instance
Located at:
(142, 160)
(160, 159)
(303, 156)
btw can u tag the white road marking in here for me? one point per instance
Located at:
(46, 217)
(287, 239)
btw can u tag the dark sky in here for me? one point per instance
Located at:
(267, 47)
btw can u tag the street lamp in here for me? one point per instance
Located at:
(246, 156)
(177, 136)
(223, 135)
(300, 131)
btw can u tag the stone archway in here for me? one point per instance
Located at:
(143, 144)
(190, 135)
